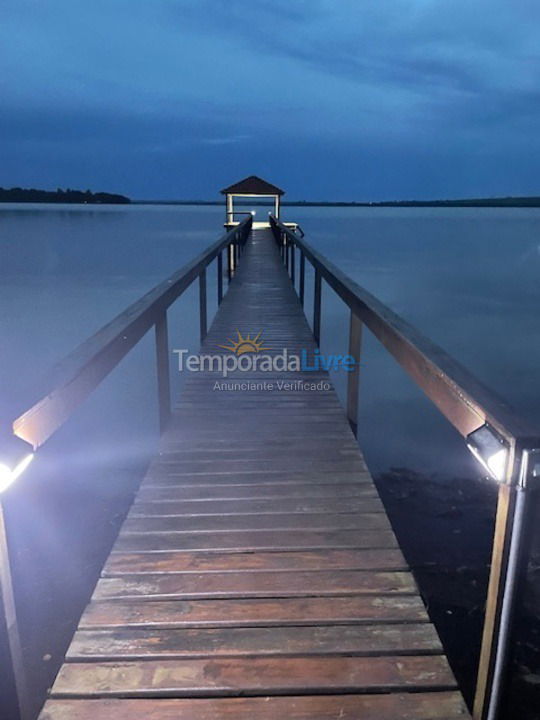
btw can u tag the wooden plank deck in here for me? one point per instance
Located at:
(256, 575)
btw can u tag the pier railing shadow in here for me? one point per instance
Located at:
(499, 438)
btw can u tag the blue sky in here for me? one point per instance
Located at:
(330, 99)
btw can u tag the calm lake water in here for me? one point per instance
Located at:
(467, 278)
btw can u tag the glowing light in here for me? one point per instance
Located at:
(9, 475)
(497, 464)
(490, 450)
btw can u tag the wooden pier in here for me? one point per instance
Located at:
(256, 575)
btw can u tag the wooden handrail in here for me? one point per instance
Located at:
(468, 405)
(464, 400)
(75, 377)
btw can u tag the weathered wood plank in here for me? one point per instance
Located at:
(174, 562)
(254, 584)
(400, 706)
(335, 441)
(361, 640)
(255, 611)
(172, 473)
(316, 447)
(255, 522)
(221, 677)
(235, 490)
(248, 507)
(284, 464)
(258, 540)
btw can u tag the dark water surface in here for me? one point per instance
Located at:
(467, 278)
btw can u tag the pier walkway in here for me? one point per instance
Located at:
(256, 574)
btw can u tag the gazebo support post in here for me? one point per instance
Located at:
(230, 210)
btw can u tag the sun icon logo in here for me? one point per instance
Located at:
(246, 344)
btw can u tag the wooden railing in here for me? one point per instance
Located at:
(84, 369)
(470, 407)
(75, 378)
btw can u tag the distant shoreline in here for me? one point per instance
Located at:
(472, 202)
(78, 197)
(59, 196)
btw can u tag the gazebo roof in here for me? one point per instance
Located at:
(252, 185)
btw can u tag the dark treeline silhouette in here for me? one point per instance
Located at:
(468, 202)
(59, 196)
(32, 195)
(533, 201)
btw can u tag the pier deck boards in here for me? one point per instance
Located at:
(256, 575)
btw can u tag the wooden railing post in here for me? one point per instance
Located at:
(511, 544)
(163, 376)
(219, 278)
(13, 683)
(302, 277)
(230, 262)
(317, 306)
(293, 264)
(353, 380)
(503, 522)
(202, 304)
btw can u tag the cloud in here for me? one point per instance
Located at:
(230, 140)
(445, 84)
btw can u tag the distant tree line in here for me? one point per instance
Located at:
(533, 201)
(32, 195)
